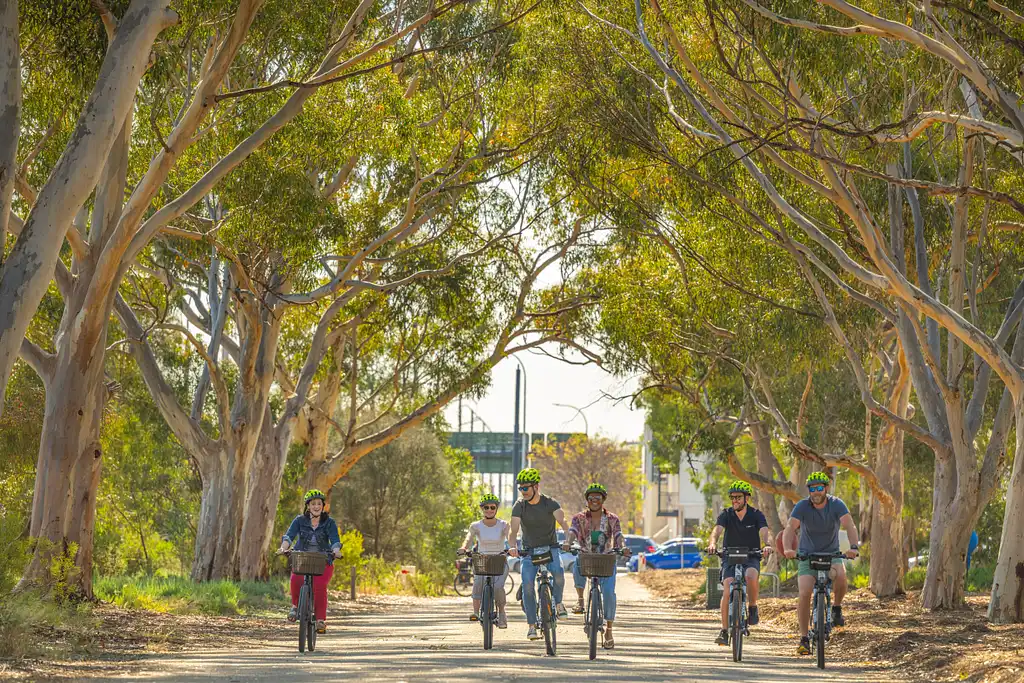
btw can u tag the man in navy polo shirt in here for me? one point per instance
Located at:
(744, 527)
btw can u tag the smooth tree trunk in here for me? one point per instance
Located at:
(1007, 602)
(10, 110)
(68, 465)
(27, 273)
(887, 567)
(261, 508)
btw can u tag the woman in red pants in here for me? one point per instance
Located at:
(313, 531)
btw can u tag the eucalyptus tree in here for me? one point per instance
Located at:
(839, 138)
(225, 78)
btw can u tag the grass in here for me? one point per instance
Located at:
(178, 595)
(31, 626)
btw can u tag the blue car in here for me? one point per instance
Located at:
(676, 554)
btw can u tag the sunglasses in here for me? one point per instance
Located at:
(740, 496)
(816, 489)
(524, 489)
(489, 507)
(595, 498)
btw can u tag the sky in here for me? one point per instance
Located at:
(548, 382)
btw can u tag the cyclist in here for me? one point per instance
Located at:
(598, 531)
(489, 535)
(744, 527)
(315, 531)
(818, 518)
(537, 515)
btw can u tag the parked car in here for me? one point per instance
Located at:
(637, 545)
(675, 554)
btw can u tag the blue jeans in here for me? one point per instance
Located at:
(607, 590)
(529, 573)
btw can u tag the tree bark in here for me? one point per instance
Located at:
(10, 110)
(26, 275)
(1007, 602)
(261, 509)
(68, 466)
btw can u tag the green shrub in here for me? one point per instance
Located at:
(915, 578)
(28, 623)
(979, 578)
(177, 595)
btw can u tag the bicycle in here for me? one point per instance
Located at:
(595, 566)
(541, 557)
(463, 584)
(821, 604)
(308, 564)
(737, 595)
(488, 566)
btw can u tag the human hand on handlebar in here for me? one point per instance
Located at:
(566, 546)
(712, 548)
(513, 552)
(790, 554)
(626, 552)
(766, 551)
(852, 554)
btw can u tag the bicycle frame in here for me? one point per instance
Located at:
(737, 619)
(820, 633)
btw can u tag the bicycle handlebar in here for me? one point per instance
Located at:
(725, 552)
(835, 556)
(575, 549)
(466, 552)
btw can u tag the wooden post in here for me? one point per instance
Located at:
(352, 583)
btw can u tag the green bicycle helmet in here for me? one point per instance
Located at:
(596, 488)
(528, 476)
(740, 486)
(314, 493)
(818, 478)
(489, 498)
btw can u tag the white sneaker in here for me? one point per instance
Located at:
(532, 634)
(502, 621)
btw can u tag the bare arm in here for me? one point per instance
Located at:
(789, 536)
(846, 521)
(468, 539)
(766, 540)
(560, 518)
(513, 534)
(716, 534)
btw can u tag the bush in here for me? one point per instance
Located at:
(979, 578)
(28, 624)
(177, 595)
(915, 578)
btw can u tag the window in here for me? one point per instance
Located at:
(689, 549)
(673, 549)
(690, 525)
(666, 498)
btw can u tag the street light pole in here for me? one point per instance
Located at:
(579, 411)
(525, 431)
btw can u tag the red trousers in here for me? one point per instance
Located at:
(319, 591)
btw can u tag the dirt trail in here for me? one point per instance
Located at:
(424, 639)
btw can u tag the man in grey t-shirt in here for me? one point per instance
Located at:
(537, 515)
(818, 519)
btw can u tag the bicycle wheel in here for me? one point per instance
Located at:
(736, 617)
(594, 618)
(547, 619)
(821, 629)
(486, 618)
(510, 584)
(463, 584)
(311, 633)
(303, 616)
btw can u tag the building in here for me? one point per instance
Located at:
(673, 505)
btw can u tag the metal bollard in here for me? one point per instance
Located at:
(352, 583)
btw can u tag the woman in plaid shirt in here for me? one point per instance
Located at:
(597, 531)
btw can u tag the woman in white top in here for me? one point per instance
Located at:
(489, 535)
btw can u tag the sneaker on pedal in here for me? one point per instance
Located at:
(502, 621)
(805, 646)
(723, 637)
(293, 614)
(560, 611)
(837, 616)
(752, 616)
(474, 617)
(532, 634)
(321, 626)
(578, 609)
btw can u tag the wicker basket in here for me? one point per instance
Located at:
(597, 564)
(312, 564)
(489, 565)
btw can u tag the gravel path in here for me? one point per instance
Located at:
(432, 639)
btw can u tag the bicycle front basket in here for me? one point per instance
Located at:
(489, 565)
(541, 558)
(597, 564)
(312, 564)
(820, 563)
